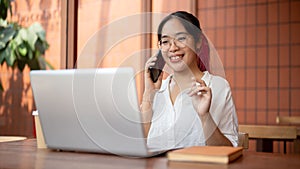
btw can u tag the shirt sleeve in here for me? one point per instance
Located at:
(223, 110)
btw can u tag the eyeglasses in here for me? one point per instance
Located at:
(180, 40)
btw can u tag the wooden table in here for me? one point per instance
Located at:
(24, 154)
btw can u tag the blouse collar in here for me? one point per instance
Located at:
(206, 78)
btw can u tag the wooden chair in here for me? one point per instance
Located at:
(291, 120)
(265, 135)
(243, 140)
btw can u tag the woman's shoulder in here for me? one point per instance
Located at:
(220, 86)
(214, 80)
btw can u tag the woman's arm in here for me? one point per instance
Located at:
(148, 96)
(146, 110)
(201, 98)
(213, 135)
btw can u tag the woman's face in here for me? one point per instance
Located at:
(177, 46)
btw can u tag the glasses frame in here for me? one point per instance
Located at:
(175, 41)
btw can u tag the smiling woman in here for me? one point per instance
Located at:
(193, 106)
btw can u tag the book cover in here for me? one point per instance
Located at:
(210, 154)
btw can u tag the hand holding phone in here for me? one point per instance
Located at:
(156, 70)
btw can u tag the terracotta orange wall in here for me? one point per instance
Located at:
(259, 43)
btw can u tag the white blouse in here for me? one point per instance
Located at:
(178, 125)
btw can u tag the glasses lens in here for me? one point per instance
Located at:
(180, 41)
(164, 44)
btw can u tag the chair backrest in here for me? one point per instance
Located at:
(243, 140)
(295, 120)
(269, 132)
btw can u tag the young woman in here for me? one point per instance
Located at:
(191, 106)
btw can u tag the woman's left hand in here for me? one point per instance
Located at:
(201, 97)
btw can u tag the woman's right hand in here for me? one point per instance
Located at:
(150, 86)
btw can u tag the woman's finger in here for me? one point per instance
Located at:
(150, 62)
(198, 90)
(202, 83)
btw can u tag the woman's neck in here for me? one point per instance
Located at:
(184, 78)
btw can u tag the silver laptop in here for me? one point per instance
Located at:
(90, 110)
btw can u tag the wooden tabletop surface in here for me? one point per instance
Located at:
(24, 154)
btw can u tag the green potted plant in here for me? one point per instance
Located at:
(21, 46)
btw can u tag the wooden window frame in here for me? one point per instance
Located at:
(69, 28)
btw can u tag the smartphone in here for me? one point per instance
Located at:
(156, 70)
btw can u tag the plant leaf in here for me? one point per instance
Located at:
(41, 46)
(42, 63)
(3, 11)
(3, 23)
(23, 33)
(18, 39)
(10, 58)
(30, 54)
(38, 30)
(13, 44)
(29, 36)
(2, 56)
(21, 64)
(6, 34)
(22, 50)
(33, 64)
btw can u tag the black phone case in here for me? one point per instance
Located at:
(156, 70)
